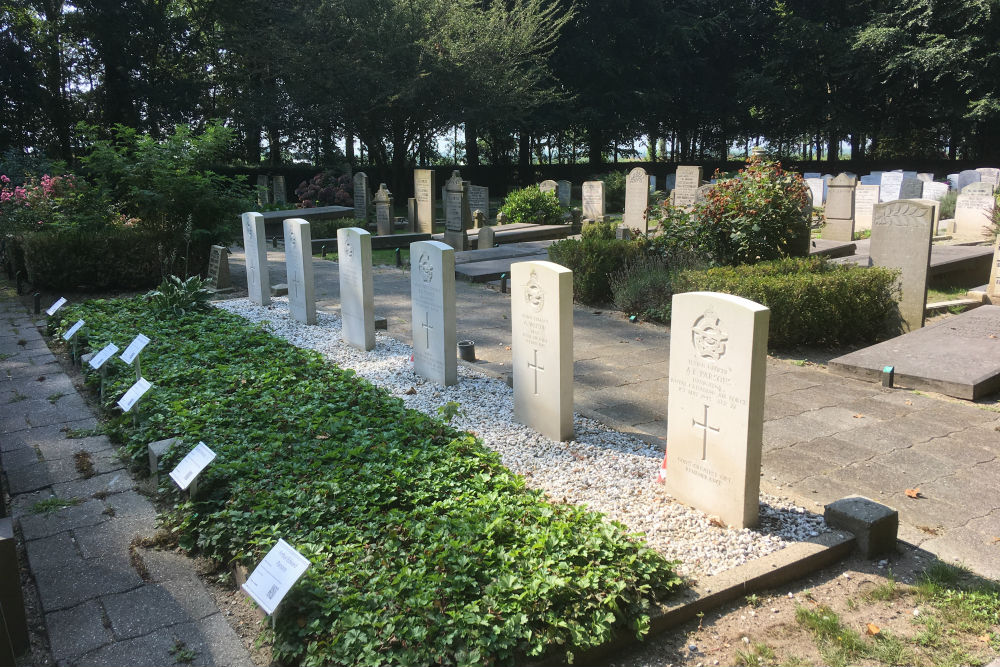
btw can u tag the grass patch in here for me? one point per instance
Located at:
(946, 293)
(424, 548)
(757, 655)
(52, 398)
(53, 504)
(884, 592)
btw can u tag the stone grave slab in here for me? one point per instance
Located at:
(492, 269)
(299, 267)
(258, 279)
(423, 191)
(357, 291)
(901, 239)
(541, 306)
(715, 411)
(636, 200)
(432, 298)
(959, 356)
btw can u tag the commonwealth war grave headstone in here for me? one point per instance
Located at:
(298, 260)
(423, 192)
(636, 199)
(383, 211)
(542, 347)
(357, 293)
(258, 278)
(361, 200)
(839, 210)
(715, 414)
(432, 298)
(901, 239)
(593, 200)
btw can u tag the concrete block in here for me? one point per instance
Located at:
(281, 289)
(874, 525)
(381, 323)
(156, 452)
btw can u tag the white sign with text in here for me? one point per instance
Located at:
(72, 330)
(98, 359)
(274, 577)
(134, 393)
(192, 465)
(56, 306)
(134, 348)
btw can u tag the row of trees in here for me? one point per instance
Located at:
(914, 78)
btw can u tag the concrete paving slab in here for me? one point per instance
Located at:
(75, 582)
(106, 539)
(141, 611)
(111, 482)
(37, 526)
(77, 630)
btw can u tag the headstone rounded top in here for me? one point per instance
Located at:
(638, 175)
(353, 230)
(844, 179)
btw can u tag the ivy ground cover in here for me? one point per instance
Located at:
(424, 549)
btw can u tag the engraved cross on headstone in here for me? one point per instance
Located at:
(535, 367)
(427, 329)
(705, 428)
(296, 284)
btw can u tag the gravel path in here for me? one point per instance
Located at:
(610, 472)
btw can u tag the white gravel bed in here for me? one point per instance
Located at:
(610, 472)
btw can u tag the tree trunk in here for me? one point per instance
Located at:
(834, 147)
(595, 146)
(251, 144)
(857, 150)
(273, 145)
(471, 144)
(524, 157)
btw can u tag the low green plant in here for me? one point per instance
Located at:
(884, 592)
(756, 655)
(601, 229)
(947, 205)
(643, 287)
(424, 549)
(532, 205)
(178, 297)
(53, 504)
(593, 260)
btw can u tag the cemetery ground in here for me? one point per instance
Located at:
(780, 634)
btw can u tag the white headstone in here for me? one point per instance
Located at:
(357, 292)
(299, 268)
(542, 347)
(953, 181)
(973, 214)
(423, 192)
(563, 192)
(636, 199)
(593, 200)
(686, 184)
(715, 406)
(901, 239)
(816, 188)
(258, 278)
(361, 200)
(892, 181)
(934, 190)
(865, 198)
(926, 177)
(432, 297)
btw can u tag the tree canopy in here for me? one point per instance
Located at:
(565, 79)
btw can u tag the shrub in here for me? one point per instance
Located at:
(812, 301)
(614, 191)
(592, 261)
(763, 213)
(424, 549)
(948, 205)
(604, 229)
(532, 205)
(176, 297)
(110, 258)
(326, 189)
(643, 288)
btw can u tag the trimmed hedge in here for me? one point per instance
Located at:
(112, 258)
(593, 259)
(424, 548)
(812, 301)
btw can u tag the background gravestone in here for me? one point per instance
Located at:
(541, 307)
(457, 219)
(563, 192)
(383, 211)
(911, 188)
(839, 209)
(978, 188)
(263, 191)
(989, 175)
(357, 294)
(479, 199)
(432, 298)
(686, 184)
(901, 239)
(892, 181)
(258, 279)
(423, 192)
(411, 215)
(636, 200)
(871, 179)
(279, 189)
(486, 238)
(361, 196)
(715, 412)
(298, 264)
(967, 176)
(548, 186)
(934, 190)
(865, 198)
(973, 214)
(817, 188)
(593, 200)
(218, 268)
(926, 177)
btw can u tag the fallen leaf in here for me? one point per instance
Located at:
(993, 335)
(996, 539)
(871, 630)
(859, 416)
(716, 521)
(507, 348)
(410, 392)
(908, 402)
(322, 436)
(913, 493)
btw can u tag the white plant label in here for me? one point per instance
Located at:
(56, 306)
(98, 359)
(134, 393)
(192, 465)
(134, 348)
(72, 330)
(273, 578)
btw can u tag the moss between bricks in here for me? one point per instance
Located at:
(424, 549)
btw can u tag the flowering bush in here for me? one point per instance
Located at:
(48, 200)
(326, 189)
(762, 213)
